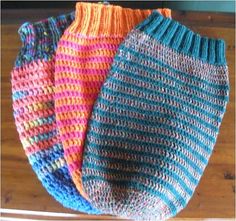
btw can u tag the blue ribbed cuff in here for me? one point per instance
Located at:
(180, 38)
(39, 40)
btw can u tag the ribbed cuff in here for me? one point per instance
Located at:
(180, 38)
(94, 19)
(39, 40)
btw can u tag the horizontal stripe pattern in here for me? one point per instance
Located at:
(155, 63)
(82, 62)
(135, 160)
(65, 58)
(81, 68)
(133, 126)
(143, 179)
(201, 69)
(166, 80)
(148, 105)
(161, 94)
(155, 123)
(34, 113)
(159, 151)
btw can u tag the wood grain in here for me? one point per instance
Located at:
(213, 198)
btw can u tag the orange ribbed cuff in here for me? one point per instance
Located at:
(94, 19)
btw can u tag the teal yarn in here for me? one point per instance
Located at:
(183, 40)
(156, 121)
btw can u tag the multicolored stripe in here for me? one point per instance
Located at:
(33, 103)
(156, 120)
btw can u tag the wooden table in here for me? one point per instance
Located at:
(21, 190)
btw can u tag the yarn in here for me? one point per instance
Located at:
(156, 120)
(32, 81)
(83, 58)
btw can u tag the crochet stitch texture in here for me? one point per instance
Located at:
(83, 58)
(33, 105)
(156, 120)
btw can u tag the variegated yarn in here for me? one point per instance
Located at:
(33, 105)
